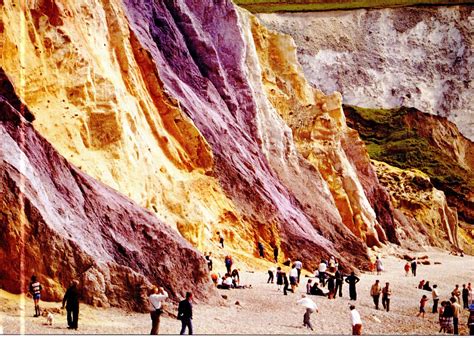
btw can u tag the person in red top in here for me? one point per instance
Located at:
(407, 269)
(423, 301)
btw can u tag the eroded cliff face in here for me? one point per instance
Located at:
(422, 211)
(197, 112)
(322, 137)
(418, 57)
(97, 97)
(60, 224)
(155, 100)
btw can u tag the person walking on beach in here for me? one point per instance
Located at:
(456, 311)
(465, 297)
(298, 266)
(261, 250)
(331, 286)
(352, 280)
(339, 281)
(279, 276)
(378, 265)
(407, 269)
(35, 291)
(311, 307)
(413, 267)
(285, 284)
(435, 295)
(71, 300)
(293, 278)
(228, 263)
(156, 308)
(355, 321)
(185, 314)
(271, 274)
(275, 253)
(375, 292)
(422, 311)
(386, 294)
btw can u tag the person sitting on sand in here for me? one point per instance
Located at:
(421, 284)
(235, 278)
(214, 278)
(226, 282)
(427, 286)
(316, 291)
(422, 311)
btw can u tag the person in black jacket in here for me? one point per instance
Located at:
(185, 313)
(352, 280)
(71, 299)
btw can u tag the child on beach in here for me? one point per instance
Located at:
(423, 301)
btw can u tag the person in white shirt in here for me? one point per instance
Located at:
(293, 278)
(310, 306)
(228, 281)
(355, 321)
(156, 308)
(435, 295)
(322, 273)
(298, 266)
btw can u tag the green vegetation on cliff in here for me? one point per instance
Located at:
(402, 137)
(319, 5)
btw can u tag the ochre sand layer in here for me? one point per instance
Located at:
(263, 310)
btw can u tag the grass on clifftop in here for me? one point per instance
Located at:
(390, 140)
(257, 6)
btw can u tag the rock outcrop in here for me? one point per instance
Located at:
(422, 211)
(61, 224)
(410, 56)
(407, 138)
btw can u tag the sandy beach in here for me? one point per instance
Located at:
(264, 310)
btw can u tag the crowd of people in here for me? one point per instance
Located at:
(327, 281)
